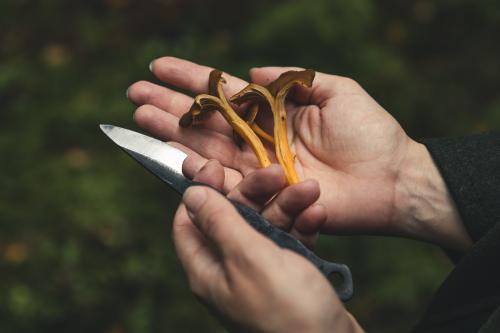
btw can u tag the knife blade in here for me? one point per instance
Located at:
(165, 162)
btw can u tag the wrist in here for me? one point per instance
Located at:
(424, 207)
(352, 325)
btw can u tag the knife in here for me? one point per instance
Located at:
(165, 162)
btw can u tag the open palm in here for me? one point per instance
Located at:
(340, 135)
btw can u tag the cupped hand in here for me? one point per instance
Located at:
(341, 137)
(249, 282)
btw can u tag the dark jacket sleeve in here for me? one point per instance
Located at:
(470, 167)
(469, 298)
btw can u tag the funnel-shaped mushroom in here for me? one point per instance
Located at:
(274, 94)
(205, 104)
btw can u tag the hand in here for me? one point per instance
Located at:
(374, 178)
(253, 285)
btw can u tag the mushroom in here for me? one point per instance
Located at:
(274, 94)
(205, 104)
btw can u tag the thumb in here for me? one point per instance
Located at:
(324, 85)
(265, 75)
(219, 222)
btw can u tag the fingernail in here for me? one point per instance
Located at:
(126, 92)
(194, 198)
(151, 66)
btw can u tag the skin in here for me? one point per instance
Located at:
(373, 179)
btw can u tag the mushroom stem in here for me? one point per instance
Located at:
(282, 148)
(263, 134)
(250, 119)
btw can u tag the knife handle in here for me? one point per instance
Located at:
(285, 240)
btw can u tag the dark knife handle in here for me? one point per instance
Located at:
(285, 240)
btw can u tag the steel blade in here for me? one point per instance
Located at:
(160, 158)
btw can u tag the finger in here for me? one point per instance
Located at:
(220, 223)
(311, 219)
(212, 173)
(144, 92)
(308, 241)
(259, 187)
(194, 162)
(266, 75)
(324, 86)
(196, 255)
(290, 202)
(207, 143)
(308, 223)
(188, 75)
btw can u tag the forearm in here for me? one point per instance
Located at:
(424, 205)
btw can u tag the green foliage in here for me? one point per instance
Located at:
(84, 232)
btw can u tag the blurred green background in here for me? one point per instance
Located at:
(85, 240)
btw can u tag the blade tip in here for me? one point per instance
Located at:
(106, 128)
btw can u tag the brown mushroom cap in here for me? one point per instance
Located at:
(205, 104)
(286, 80)
(202, 108)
